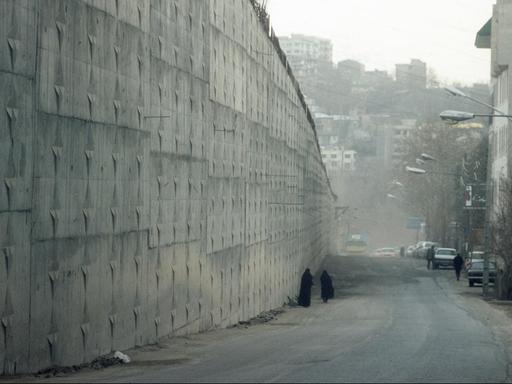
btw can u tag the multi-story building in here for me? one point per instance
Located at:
(334, 129)
(309, 47)
(338, 159)
(391, 134)
(349, 160)
(412, 75)
(308, 55)
(495, 34)
(401, 132)
(332, 157)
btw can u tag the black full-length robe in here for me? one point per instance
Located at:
(327, 291)
(305, 289)
(457, 265)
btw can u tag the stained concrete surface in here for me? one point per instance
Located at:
(391, 321)
(159, 175)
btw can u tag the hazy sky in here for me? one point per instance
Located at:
(380, 33)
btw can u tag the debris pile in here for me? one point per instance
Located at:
(98, 363)
(263, 317)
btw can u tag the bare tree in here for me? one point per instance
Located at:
(435, 195)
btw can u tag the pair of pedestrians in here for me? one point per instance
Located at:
(327, 289)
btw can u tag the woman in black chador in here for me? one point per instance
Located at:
(305, 288)
(327, 288)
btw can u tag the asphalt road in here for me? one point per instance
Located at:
(391, 321)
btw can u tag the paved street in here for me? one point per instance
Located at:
(392, 320)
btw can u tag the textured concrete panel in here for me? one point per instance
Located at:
(160, 175)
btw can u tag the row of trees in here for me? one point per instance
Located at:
(438, 195)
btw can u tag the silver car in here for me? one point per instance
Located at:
(444, 257)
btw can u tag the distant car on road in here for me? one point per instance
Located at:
(475, 272)
(356, 247)
(384, 252)
(444, 257)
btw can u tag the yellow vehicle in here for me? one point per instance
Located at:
(356, 247)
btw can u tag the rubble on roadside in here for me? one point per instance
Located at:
(100, 362)
(263, 317)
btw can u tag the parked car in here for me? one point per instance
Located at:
(475, 272)
(444, 257)
(410, 251)
(385, 252)
(422, 248)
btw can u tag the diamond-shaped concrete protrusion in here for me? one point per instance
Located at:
(59, 92)
(61, 29)
(113, 265)
(85, 269)
(13, 50)
(160, 44)
(10, 183)
(92, 99)
(85, 328)
(54, 215)
(8, 256)
(92, 39)
(86, 213)
(117, 105)
(53, 275)
(116, 54)
(112, 319)
(12, 113)
(57, 151)
(6, 321)
(115, 157)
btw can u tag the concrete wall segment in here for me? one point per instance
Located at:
(167, 177)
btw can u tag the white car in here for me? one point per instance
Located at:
(444, 257)
(385, 252)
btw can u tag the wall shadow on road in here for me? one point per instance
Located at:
(364, 275)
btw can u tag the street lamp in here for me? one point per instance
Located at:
(417, 171)
(457, 92)
(420, 171)
(426, 157)
(458, 116)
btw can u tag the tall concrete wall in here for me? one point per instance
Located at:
(159, 175)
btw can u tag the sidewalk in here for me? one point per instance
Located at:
(495, 314)
(168, 352)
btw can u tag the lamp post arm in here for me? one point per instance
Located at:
(491, 114)
(484, 104)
